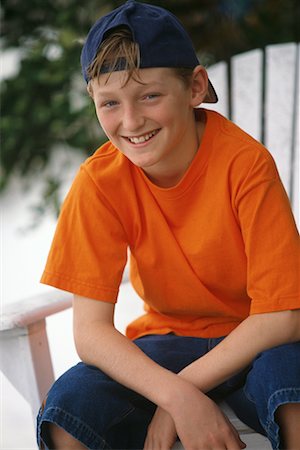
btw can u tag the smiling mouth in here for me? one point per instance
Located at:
(141, 139)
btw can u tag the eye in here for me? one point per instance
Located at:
(109, 104)
(151, 96)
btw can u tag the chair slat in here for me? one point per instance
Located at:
(296, 154)
(246, 91)
(218, 75)
(280, 106)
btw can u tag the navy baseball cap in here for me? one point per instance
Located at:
(162, 40)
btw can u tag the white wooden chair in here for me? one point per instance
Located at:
(258, 90)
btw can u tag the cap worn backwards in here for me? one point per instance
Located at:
(162, 40)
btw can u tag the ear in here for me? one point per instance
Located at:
(199, 86)
(90, 90)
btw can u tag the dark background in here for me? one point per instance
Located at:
(45, 107)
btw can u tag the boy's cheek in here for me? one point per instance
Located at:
(104, 127)
(101, 121)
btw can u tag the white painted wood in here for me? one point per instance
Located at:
(219, 77)
(31, 310)
(24, 353)
(280, 98)
(246, 91)
(26, 361)
(296, 155)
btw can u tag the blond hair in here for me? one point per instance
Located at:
(119, 48)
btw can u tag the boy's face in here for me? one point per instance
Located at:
(151, 122)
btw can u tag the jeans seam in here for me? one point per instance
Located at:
(121, 417)
(79, 423)
(248, 395)
(271, 420)
(83, 426)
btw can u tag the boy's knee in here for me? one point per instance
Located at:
(281, 363)
(274, 370)
(59, 439)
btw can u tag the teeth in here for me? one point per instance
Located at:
(141, 139)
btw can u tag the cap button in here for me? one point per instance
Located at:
(130, 4)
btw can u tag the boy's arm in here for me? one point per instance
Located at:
(98, 343)
(255, 334)
(198, 422)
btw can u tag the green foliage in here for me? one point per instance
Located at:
(45, 105)
(39, 113)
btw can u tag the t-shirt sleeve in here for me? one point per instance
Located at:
(89, 249)
(270, 236)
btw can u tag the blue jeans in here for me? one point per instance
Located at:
(102, 414)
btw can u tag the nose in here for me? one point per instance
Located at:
(132, 119)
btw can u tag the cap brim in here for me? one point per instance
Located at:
(211, 96)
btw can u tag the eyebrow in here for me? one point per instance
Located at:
(140, 87)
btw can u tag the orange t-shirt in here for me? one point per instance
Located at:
(220, 245)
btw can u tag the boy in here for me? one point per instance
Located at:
(213, 248)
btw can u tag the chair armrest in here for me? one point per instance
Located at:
(26, 312)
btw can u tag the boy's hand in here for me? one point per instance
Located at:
(199, 424)
(161, 431)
